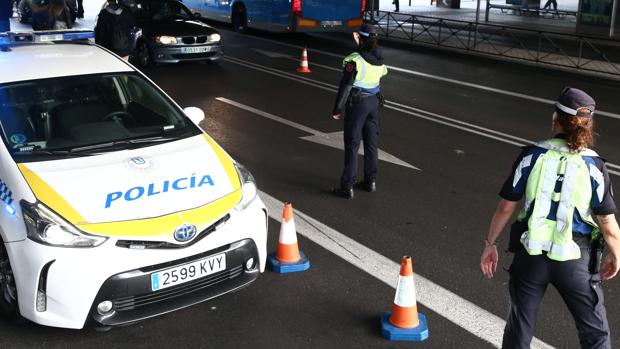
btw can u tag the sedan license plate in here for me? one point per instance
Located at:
(198, 49)
(331, 23)
(188, 272)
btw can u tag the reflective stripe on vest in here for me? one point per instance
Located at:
(368, 75)
(557, 165)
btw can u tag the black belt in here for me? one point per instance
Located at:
(582, 240)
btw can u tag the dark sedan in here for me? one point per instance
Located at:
(171, 33)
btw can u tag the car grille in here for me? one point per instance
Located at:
(136, 302)
(141, 245)
(190, 40)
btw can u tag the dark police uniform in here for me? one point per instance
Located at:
(530, 275)
(360, 91)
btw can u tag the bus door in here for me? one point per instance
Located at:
(331, 11)
(218, 9)
(259, 13)
(281, 15)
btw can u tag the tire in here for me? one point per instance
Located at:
(144, 56)
(9, 307)
(240, 19)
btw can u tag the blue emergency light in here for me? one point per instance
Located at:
(11, 38)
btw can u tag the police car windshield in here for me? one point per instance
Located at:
(45, 117)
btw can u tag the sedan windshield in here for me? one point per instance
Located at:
(162, 10)
(96, 113)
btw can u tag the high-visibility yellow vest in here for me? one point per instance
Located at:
(368, 75)
(575, 195)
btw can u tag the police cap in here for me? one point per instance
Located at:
(575, 102)
(368, 30)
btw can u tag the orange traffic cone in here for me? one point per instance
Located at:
(289, 258)
(405, 323)
(303, 64)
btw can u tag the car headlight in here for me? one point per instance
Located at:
(166, 40)
(46, 227)
(215, 37)
(248, 187)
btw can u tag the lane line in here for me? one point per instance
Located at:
(409, 110)
(449, 305)
(436, 77)
(334, 139)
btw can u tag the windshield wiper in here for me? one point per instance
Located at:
(124, 142)
(40, 151)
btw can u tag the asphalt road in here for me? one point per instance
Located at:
(463, 138)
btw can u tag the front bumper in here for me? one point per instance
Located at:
(133, 300)
(78, 278)
(175, 54)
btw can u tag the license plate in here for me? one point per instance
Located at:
(331, 23)
(188, 272)
(50, 37)
(199, 49)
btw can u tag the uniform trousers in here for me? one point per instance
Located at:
(580, 290)
(361, 122)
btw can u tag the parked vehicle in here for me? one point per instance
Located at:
(168, 32)
(115, 206)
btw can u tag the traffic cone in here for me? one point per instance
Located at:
(289, 258)
(303, 64)
(404, 323)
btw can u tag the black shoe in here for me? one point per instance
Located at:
(343, 193)
(370, 187)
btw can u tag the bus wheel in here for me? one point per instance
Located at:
(9, 308)
(239, 19)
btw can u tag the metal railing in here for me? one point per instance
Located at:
(571, 51)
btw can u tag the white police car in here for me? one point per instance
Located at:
(114, 205)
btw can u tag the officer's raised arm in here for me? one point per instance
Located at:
(344, 89)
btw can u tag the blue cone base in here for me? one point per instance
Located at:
(394, 333)
(281, 267)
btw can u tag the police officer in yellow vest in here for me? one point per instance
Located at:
(558, 236)
(361, 93)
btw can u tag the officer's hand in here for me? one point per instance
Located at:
(610, 267)
(488, 261)
(336, 116)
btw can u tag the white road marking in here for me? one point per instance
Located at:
(334, 140)
(272, 54)
(449, 305)
(409, 110)
(436, 77)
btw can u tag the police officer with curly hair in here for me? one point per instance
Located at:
(360, 94)
(559, 235)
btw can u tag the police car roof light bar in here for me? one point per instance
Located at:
(9, 38)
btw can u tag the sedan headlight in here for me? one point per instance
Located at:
(166, 40)
(215, 37)
(248, 187)
(46, 227)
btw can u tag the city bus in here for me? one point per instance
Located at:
(284, 15)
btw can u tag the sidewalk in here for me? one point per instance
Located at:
(467, 13)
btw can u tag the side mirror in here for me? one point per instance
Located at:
(194, 114)
(197, 15)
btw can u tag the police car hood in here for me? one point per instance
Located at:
(153, 188)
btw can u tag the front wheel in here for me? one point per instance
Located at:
(9, 308)
(145, 57)
(239, 19)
